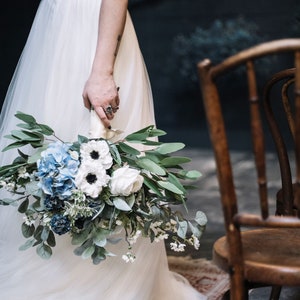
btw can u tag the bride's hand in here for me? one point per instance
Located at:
(101, 94)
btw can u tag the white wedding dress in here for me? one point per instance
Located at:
(48, 84)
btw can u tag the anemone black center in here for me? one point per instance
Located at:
(91, 178)
(94, 154)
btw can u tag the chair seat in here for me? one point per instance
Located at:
(272, 256)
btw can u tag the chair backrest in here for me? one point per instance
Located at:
(288, 193)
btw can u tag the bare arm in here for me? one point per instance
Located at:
(100, 90)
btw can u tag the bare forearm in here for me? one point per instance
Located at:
(111, 25)
(100, 91)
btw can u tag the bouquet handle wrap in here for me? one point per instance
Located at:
(97, 128)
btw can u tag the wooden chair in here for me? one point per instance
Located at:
(260, 248)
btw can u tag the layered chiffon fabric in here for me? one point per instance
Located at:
(48, 84)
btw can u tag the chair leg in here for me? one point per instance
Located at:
(275, 293)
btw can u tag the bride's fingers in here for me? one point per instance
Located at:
(103, 116)
(109, 111)
(114, 107)
(115, 103)
(118, 98)
(86, 102)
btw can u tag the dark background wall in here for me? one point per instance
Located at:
(16, 17)
(158, 22)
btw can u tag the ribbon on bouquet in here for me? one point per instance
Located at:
(97, 128)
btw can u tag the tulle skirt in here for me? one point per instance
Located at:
(48, 84)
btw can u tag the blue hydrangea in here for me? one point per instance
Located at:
(53, 203)
(60, 224)
(56, 171)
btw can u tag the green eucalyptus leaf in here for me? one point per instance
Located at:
(167, 148)
(182, 229)
(154, 156)
(144, 133)
(99, 237)
(45, 129)
(174, 161)
(151, 143)
(100, 208)
(152, 185)
(191, 187)
(23, 206)
(33, 189)
(128, 149)
(37, 155)
(8, 170)
(7, 201)
(170, 186)
(107, 253)
(137, 137)
(19, 161)
(80, 237)
(37, 242)
(121, 204)
(174, 180)
(147, 130)
(38, 233)
(201, 218)
(38, 205)
(98, 255)
(26, 135)
(82, 139)
(115, 154)
(146, 228)
(45, 233)
(23, 155)
(130, 200)
(10, 137)
(88, 252)
(51, 239)
(25, 118)
(192, 174)
(44, 251)
(79, 250)
(147, 164)
(152, 236)
(28, 244)
(26, 126)
(97, 259)
(18, 144)
(114, 241)
(157, 132)
(27, 230)
(37, 144)
(195, 230)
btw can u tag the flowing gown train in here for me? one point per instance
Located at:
(48, 84)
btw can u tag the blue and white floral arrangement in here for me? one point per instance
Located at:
(93, 188)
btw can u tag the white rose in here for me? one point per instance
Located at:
(125, 181)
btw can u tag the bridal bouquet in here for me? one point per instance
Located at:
(97, 191)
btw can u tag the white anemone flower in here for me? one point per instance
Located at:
(91, 178)
(96, 152)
